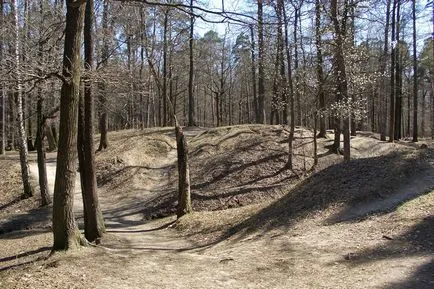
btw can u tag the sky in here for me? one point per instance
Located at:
(202, 27)
(424, 26)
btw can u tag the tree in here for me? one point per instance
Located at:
(41, 122)
(340, 30)
(93, 220)
(2, 91)
(22, 141)
(392, 76)
(415, 86)
(383, 65)
(65, 231)
(191, 111)
(297, 10)
(398, 74)
(290, 90)
(253, 69)
(319, 68)
(103, 118)
(261, 63)
(184, 201)
(432, 73)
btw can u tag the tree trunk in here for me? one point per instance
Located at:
(319, 69)
(339, 24)
(2, 93)
(65, 231)
(22, 141)
(40, 148)
(191, 112)
(142, 65)
(3, 119)
(290, 87)
(261, 57)
(103, 120)
(253, 69)
(392, 77)
(415, 102)
(315, 142)
(275, 101)
(93, 220)
(184, 201)
(42, 169)
(282, 77)
(398, 75)
(164, 88)
(296, 64)
(432, 74)
(383, 97)
(352, 4)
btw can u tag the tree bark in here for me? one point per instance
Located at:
(415, 102)
(184, 199)
(253, 69)
(282, 76)
(103, 120)
(261, 57)
(296, 64)
(340, 28)
(42, 169)
(392, 77)
(383, 97)
(353, 124)
(40, 148)
(2, 93)
(319, 69)
(22, 141)
(93, 221)
(65, 231)
(191, 110)
(432, 74)
(290, 87)
(398, 75)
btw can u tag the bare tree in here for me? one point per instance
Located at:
(319, 68)
(22, 141)
(392, 76)
(191, 110)
(383, 67)
(432, 74)
(340, 30)
(2, 91)
(103, 118)
(415, 86)
(41, 122)
(93, 220)
(184, 201)
(65, 231)
(261, 63)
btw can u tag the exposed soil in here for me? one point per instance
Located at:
(364, 224)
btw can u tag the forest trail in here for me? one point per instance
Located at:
(126, 226)
(142, 250)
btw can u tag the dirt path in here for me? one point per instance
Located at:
(127, 227)
(385, 251)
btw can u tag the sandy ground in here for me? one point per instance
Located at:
(392, 249)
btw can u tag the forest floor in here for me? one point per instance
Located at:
(368, 223)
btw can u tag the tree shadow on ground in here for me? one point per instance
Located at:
(343, 186)
(35, 218)
(24, 254)
(416, 241)
(11, 203)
